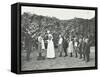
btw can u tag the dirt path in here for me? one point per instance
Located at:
(58, 62)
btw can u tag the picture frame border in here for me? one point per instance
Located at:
(18, 40)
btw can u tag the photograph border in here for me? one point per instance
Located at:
(53, 6)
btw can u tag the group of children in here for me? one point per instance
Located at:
(78, 46)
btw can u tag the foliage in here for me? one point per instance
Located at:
(33, 24)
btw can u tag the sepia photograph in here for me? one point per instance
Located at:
(57, 38)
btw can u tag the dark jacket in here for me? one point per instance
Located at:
(65, 43)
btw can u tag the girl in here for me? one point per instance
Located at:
(70, 48)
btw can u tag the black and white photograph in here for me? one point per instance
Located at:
(57, 38)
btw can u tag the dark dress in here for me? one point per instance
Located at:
(65, 46)
(46, 38)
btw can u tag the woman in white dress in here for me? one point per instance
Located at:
(70, 47)
(50, 47)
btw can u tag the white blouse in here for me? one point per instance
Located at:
(60, 41)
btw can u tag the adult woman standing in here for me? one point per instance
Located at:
(50, 47)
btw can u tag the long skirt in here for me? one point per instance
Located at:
(70, 48)
(50, 49)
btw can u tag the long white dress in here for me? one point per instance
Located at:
(70, 47)
(50, 48)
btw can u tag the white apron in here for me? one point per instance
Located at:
(50, 49)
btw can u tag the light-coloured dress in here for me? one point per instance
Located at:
(50, 47)
(60, 44)
(70, 47)
(41, 43)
